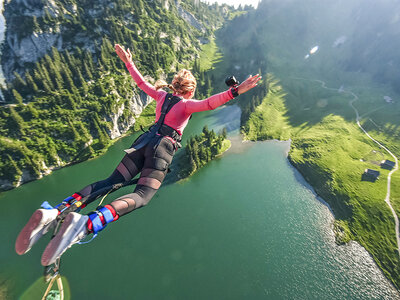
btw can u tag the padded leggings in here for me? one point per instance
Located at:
(151, 162)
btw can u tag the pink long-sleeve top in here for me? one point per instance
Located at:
(179, 115)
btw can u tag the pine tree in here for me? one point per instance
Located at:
(36, 26)
(103, 139)
(87, 70)
(33, 111)
(18, 83)
(71, 64)
(224, 133)
(68, 79)
(75, 133)
(31, 83)
(83, 83)
(54, 73)
(69, 101)
(192, 165)
(13, 170)
(84, 132)
(37, 78)
(214, 150)
(45, 76)
(18, 121)
(17, 97)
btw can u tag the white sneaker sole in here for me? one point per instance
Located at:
(74, 225)
(26, 238)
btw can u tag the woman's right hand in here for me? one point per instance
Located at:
(248, 84)
(125, 56)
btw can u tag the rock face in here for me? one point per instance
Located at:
(25, 43)
(135, 105)
(31, 48)
(190, 18)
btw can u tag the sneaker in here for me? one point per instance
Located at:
(41, 222)
(73, 230)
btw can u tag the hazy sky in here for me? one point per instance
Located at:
(235, 2)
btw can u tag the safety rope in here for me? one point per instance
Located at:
(101, 202)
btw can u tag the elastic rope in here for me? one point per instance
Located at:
(59, 285)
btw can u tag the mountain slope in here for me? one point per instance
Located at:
(308, 102)
(67, 92)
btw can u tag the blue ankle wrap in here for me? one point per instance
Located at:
(96, 222)
(108, 216)
(95, 218)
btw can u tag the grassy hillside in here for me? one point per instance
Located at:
(332, 154)
(309, 99)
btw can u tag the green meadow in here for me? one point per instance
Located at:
(332, 152)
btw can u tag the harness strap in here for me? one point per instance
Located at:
(169, 101)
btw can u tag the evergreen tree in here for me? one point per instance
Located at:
(75, 133)
(19, 84)
(87, 70)
(31, 83)
(14, 172)
(54, 73)
(224, 133)
(103, 138)
(17, 97)
(36, 26)
(69, 100)
(192, 165)
(44, 74)
(214, 151)
(33, 111)
(17, 121)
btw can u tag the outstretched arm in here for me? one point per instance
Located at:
(126, 57)
(219, 99)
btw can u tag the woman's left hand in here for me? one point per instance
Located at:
(248, 84)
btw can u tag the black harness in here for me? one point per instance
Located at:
(159, 128)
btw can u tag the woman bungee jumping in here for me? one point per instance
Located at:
(150, 155)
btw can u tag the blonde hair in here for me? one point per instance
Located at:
(182, 83)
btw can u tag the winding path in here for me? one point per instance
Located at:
(389, 178)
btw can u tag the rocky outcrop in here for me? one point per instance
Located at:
(134, 106)
(24, 43)
(190, 18)
(31, 48)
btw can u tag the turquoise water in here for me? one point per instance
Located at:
(244, 227)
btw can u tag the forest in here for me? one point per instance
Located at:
(200, 149)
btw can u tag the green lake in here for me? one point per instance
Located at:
(246, 226)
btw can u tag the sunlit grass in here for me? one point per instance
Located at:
(331, 152)
(209, 56)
